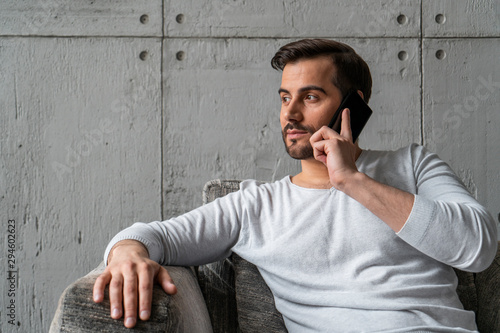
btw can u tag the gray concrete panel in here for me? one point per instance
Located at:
(461, 18)
(222, 110)
(77, 18)
(462, 111)
(79, 159)
(273, 18)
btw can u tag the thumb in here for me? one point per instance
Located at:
(166, 282)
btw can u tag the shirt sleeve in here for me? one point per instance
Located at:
(201, 236)
(446, 222)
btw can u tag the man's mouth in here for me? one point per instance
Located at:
(295, 134)
(296, 131)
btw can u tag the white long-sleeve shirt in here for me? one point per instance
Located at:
(331, 264)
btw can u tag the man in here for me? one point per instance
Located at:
(357, 241)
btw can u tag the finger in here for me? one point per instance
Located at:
(100, 284)
(345, 130)
(324, 133)
(166, 281)
(130, 300)
(319, 151)
(146, 277)
(115, 296)
(317, 136)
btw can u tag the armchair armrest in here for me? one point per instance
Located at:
(183, 312)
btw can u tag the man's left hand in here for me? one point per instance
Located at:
(336, 151)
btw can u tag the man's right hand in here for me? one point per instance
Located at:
(131, 275)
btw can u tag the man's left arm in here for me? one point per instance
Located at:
(458, 232)
(338, 153)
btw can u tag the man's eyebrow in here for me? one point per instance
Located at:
(303, 89)
(312, 87)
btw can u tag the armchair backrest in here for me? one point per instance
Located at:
(237, 298)
(216, 280)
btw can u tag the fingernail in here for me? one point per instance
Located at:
(116, 312)
(144, 315)
(97, 297)
(130, 321)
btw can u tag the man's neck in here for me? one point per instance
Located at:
(314, 173)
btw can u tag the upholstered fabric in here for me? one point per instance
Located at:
(254, 300)
(217, 285)
(238, 300)
(487, 285)
(184, 312)
(218, 188)
(217, 279)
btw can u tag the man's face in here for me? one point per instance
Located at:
(308, 101)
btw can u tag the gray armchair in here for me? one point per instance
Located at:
(231, 296)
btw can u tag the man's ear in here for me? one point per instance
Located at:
(360, 93)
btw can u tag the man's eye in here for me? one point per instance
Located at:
(311, 97)
(285, 99)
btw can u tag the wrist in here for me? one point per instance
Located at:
(128, 246)
(351, 182)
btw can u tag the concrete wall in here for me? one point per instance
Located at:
(119, 111)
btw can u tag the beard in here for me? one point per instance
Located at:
(295, 150)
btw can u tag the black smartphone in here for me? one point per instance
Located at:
(360, 113)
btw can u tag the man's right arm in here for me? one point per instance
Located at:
(135, 255)
(131, 275)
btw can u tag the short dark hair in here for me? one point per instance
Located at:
(352, 71)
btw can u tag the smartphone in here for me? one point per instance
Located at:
(360, 113)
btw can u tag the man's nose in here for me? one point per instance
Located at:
(293, 111)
